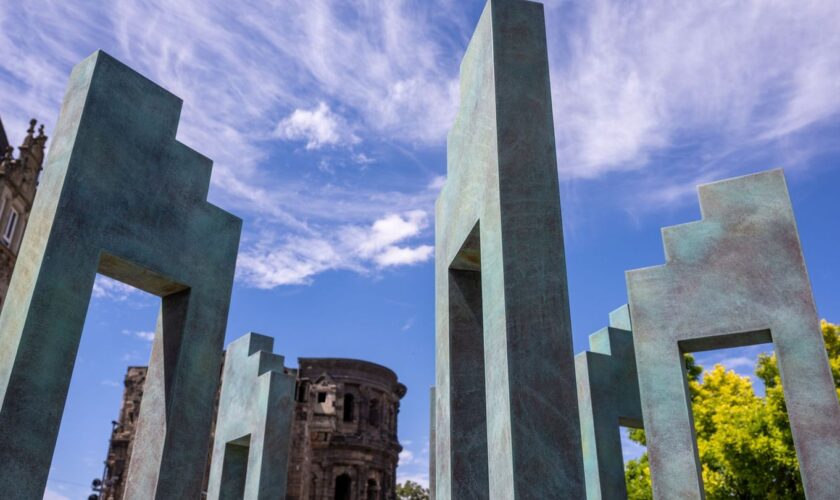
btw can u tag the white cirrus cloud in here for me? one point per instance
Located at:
(322, 72)
(294, 260)
(632, 83)
(739, 363)
(632, 79)
(389, 65)
(141, 335)
(107, 288)
(288, 261)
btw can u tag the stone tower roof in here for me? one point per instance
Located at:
(351, 369)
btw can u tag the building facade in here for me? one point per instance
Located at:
(344, 444)
(344, 434)
(18, 184)
(122, 434)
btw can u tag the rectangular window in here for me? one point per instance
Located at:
(349, 407)
(11, 224)
(322, 397)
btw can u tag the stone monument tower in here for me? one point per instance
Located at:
(344, 437)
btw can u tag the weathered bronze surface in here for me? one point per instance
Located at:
(119, 196)
(735, 278)
(506, 415)
(253, 423)
(608, 397)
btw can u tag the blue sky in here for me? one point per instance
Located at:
(327, 123)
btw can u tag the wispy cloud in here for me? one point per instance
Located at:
(413, 467)
(378, 61)
(107, 288)
(437, 182)
(673, 93)
(739, 363)
(320, 73)
(140, 335)
(294, 260)
(406, 457)
(689, 86)
(363, 159)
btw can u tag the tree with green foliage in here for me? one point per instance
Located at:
(744, 440)
(410, 490)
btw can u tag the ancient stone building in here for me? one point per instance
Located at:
(344, 436)
(18, 184)
(122, 435)
(344, 444)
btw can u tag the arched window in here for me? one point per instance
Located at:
(343, 487)
(374, 413)
(372, 490)
(349, 407)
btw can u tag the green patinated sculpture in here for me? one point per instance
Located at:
(432, 439)
(735, 278)
(120, 196)
(506, 413)
(253, 424)
(608, 397)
